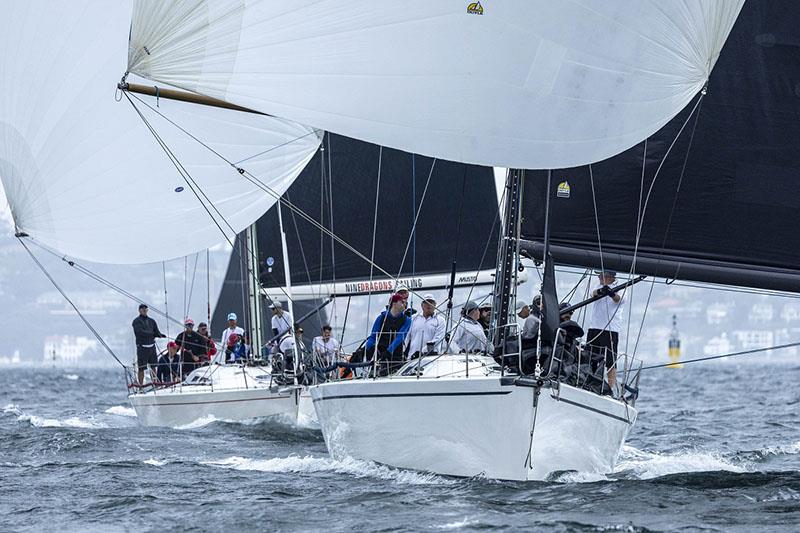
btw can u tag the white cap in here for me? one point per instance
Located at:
(276, 305)
(401, 287)
(231, 316)
(429, 298)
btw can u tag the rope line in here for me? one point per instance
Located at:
(731, 354)
(71, 303)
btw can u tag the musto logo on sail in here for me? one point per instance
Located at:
(475, 8)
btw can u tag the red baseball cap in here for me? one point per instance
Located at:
(172, 344)
(397, 297)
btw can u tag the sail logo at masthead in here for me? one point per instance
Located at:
(563, 190)
(475, 8)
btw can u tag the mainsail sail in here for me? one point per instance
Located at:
(721, 208)
(84, 175)
(456, 220)
(512, 83)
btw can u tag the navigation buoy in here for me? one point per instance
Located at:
(675, 345)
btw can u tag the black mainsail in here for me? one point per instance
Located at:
(721, 209)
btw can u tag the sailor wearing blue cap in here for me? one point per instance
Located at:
(230, 330)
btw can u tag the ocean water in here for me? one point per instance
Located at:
(716, 448)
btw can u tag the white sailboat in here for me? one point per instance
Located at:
(87, 180)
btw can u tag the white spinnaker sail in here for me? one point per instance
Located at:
(515, 83)
(81, 171)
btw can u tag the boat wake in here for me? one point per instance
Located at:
(121, 410)
(635, 464)
(308, 464)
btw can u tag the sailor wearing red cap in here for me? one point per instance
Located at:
(169, 364)
(389, 333)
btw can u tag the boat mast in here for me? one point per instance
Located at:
(254, 288)
(286, 275)
(507, 260)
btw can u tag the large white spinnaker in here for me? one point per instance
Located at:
(81, 171)
(515, 83)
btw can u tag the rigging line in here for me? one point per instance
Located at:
(647, 200)
(374, 231)
(96, 277)
(725, 355)
(70, 302)
(315, 294)
(208, 147)
(412, 235)
(669, 224)
(596, 217)
(193, 186)
(191, 286)
(638, 217)
(330, 220)
(185, 279)
(413, 209)
(254, 180)
(166, 306)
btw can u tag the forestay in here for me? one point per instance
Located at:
(516, 83)
(81, 171)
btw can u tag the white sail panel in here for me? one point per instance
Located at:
(514, 83)
(82, 173)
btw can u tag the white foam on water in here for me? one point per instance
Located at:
(200, 422)
(154, 462)
(456, 525)
(785, 449)
(310, 464)
(72, 422)
(649, 465)
(580, 477)
(121, 410)
(71, 377)
(11, 408)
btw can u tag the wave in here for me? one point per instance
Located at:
(309, 464)
(154, 462)
(42, 422)
(201, 422)
(71, 377)
(121, 410)
(638, 464)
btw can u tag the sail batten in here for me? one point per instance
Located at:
(489, 86)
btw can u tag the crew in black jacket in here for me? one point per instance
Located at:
(146, 332)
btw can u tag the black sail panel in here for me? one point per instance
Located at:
(458, 218)
(724, 206)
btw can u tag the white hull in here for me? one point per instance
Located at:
(233, 396)
(471, 426)
(182, 407)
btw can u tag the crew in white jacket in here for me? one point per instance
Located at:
(469, 336)
(427, 330)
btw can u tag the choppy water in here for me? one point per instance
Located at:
(716, 448)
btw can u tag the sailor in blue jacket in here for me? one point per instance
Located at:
(389, 334)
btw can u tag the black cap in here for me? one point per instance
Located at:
(142, 306)
(202, 325)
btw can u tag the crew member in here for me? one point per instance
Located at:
(281, 320)
(230, 330)
(325, 347)
(169, 364)
(427, 330)
(146, 331)
(604, 324)
(469, 336)
(389, 333)
(192, 346)
(211, 347)
(485, 316)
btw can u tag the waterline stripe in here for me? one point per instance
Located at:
(413, 394)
